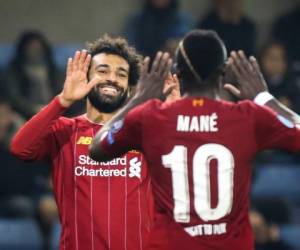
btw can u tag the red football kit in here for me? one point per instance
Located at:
(101, 205)
(199, 154)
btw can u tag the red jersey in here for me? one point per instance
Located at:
(101, 205)
(199, 153)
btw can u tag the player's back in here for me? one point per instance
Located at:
(199, 152)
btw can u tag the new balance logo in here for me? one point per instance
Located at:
(198, 102)
(84, 140)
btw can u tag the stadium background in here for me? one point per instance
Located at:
(68, 25)
(79, 21)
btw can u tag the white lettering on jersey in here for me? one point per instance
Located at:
(83, 171)
(202, 123)
(176, 160)
(86, 160)
(206, 229)
(85, 163)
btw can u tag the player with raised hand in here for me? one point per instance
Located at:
(252, 85)
(76, 85)
(172, 85)
(101, 205)
(199, 149)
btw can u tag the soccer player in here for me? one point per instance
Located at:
(199, 149)
(101, 205)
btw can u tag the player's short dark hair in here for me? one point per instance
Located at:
(204, 54)
(118, 46)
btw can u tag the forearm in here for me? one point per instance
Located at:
(264, 98)
(284, 111)
(26, 144)
(95, 149)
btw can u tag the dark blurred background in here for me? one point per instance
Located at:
(37, 37)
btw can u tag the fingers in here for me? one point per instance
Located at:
(162, 64)
(240, 65)
(156, 62)
(145, 68)
(171, 82)
(248, 74)
(70, 66)
(93, 83)
(237, 62)
(255, 65)
(167, 67)
(176, 81)
(87, 63)
(76, 60)
(245, 63)
(258, 73)
(232, 66)
(81, 60)
(169, 79)
(168, 89)
(232, 89)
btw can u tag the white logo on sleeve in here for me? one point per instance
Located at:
(117, 125)
(114, 129)
(135, 168)
(285, 121)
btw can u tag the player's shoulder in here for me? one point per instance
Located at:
(65, 121)
(72, 122)
(249, 107)
(153, 104)
(245, 106)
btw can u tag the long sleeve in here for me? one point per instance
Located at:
(34, 140)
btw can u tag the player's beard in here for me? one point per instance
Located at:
(107, 103)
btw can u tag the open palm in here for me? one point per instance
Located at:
(76, 85)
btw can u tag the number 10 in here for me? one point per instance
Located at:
(177, 161)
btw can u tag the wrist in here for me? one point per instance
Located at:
(262, 98)
(63, 101)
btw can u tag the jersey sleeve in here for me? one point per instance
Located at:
(127, 134)
(275, 131)
(35, 141)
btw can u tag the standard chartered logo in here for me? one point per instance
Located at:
(90, 167)
(83, 171)
(135, 167)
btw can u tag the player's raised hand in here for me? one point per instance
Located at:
(172, 88)
(76, 85)
(248, 74)
(151, 82)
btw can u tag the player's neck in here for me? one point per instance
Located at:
(96, 116)
(212, 94)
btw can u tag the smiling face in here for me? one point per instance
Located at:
(112, 90)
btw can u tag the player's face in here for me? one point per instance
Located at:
(112, 90)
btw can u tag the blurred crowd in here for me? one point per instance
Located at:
(32, 78)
